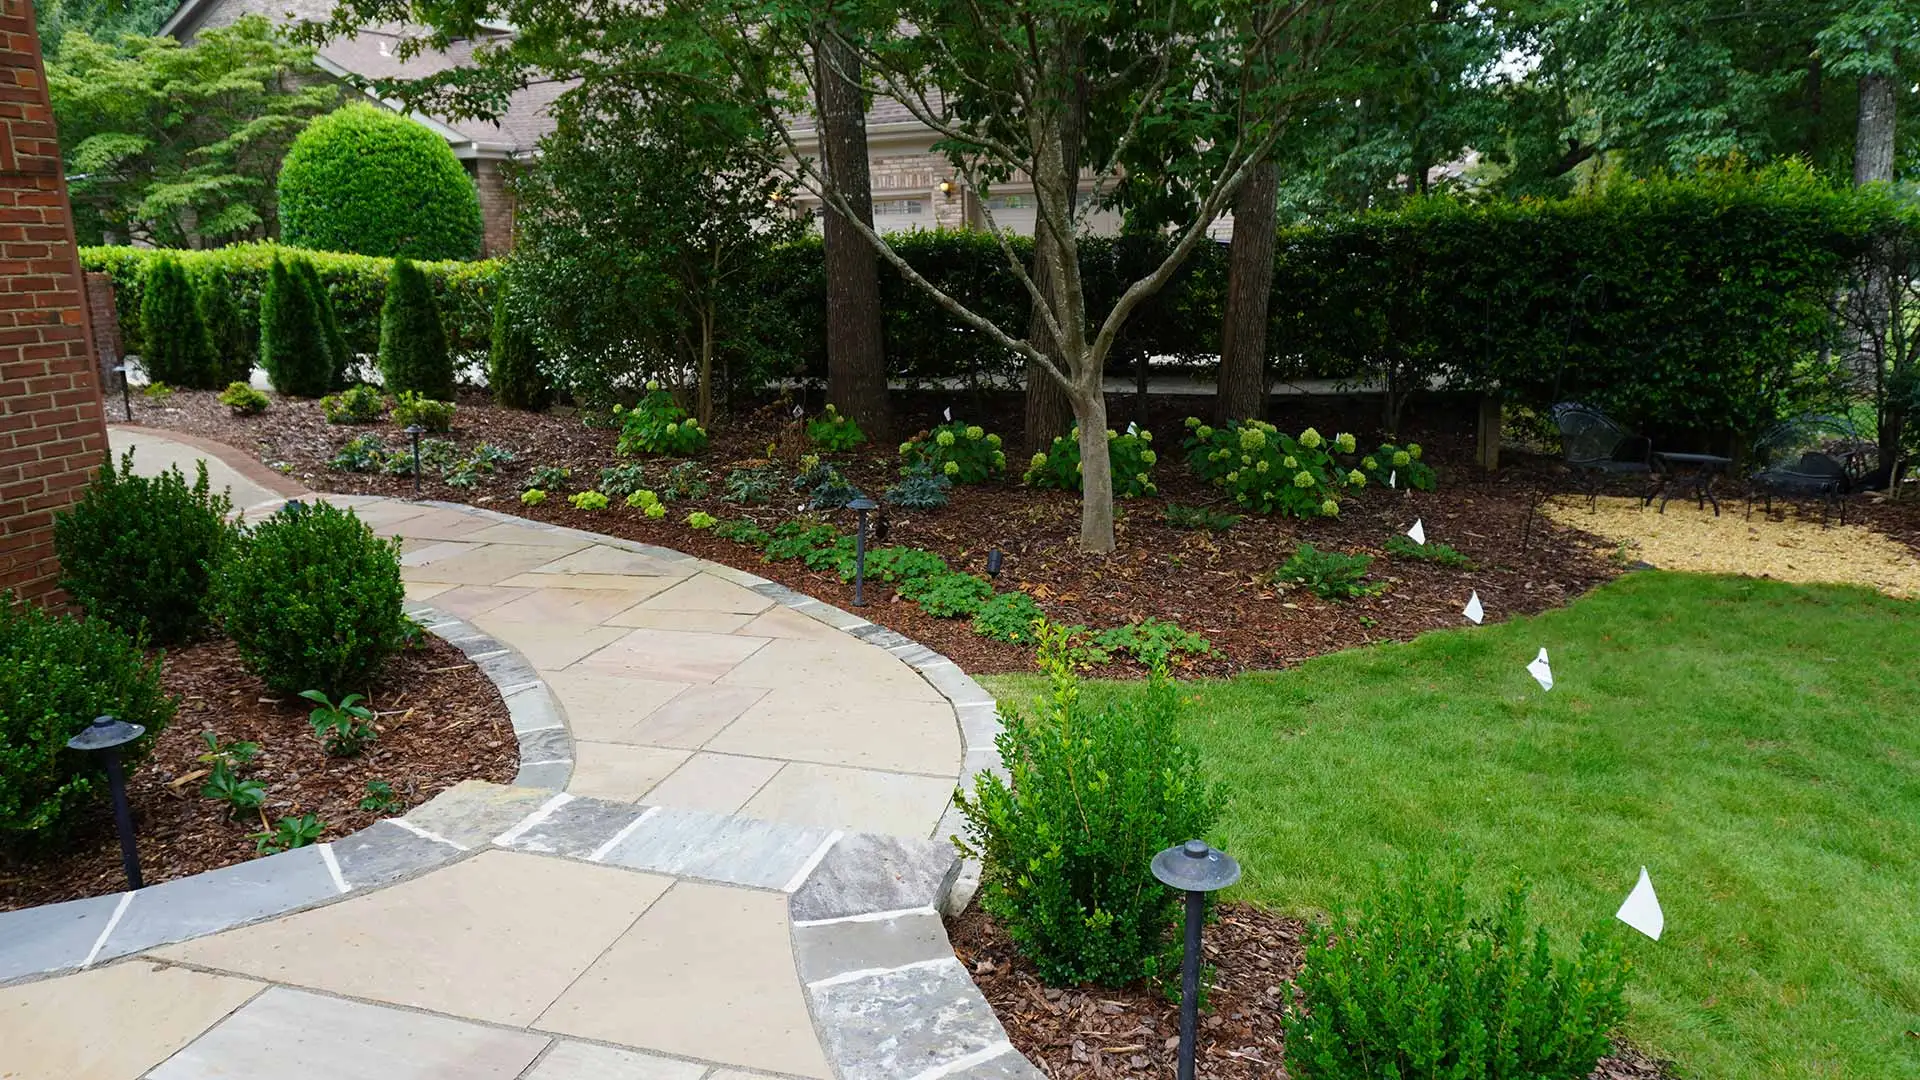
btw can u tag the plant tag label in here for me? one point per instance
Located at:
(1418, 534)
(1541, 671)
(1641, 910)
(1393, 478)
(1474, 611)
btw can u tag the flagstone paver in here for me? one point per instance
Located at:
(110, 1024)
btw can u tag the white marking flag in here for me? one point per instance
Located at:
(1642, 909)
(1418, 534)
(1541, 671)
(949, 414)
(1392, 477)
(1474, 611)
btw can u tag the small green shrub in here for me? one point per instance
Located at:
(644, 499)
(949, 595)
(370, 180)
(1329, 575)
(157, 392)
(554, 476)
(793, 539)
(344, 729)
(293, 344)
(380, 798)
(1267, 471)
(244, 400)
(823, 485)
(288, 833)
(56, 674)
(1131, 455)
(358, 405)
(963, 453)
(365, 454)
(1200, 517)
(1152, 642)
(236, 345)
(340, 358)
(742, 531)
(513, 361)
(1012, 617)
(312, 599)
(1402, 546)
(1412, 985)
(178, 348)
(413, 343)
(658, 426)
(834, 433)
(751, 486)
(410, 408)
(588, 500)
(621, 481)
(533, 497)
(140, 552)
(1065, 847)
(687, 480)
(224, 784)
(700, 519)
(920, 488)
(1399, 467)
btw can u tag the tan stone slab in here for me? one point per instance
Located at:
(640, 585)
(111, 1023)
(468, 601)
(704, 592)
(707, 972)
(419, 553)
(846, 666)
(569, 1060)
(705, 622)
(526, 534)
(673, 655)
(496, 937)
(846, 727)
(852, 800)
(590, 606)
(717, 783)
(488, 564)
(421, 590)
(436, 524)
(548, 646)
(601, 559)
(693, 717)
(786, 623)
(607, 708)
(619, 771)
(385, 516)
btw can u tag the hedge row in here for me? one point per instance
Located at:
(356, 283)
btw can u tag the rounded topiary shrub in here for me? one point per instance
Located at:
(369, 181)
(312, 600)
(140, 552)
(56, 674)
(178, 350)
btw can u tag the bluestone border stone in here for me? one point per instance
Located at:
(52, 937)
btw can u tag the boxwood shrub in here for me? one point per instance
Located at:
(56, 674)
(368, 180)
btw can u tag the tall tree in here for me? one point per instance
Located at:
(856, 346)
(179, 146)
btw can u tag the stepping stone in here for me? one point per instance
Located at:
(737, 851)
(863, 874)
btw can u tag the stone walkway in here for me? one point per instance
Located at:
(739, 877)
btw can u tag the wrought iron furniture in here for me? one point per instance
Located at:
(1806, 457)
(1598, 450)
(1695, 474)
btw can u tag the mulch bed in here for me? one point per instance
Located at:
(1096, 1033)
(441, 721)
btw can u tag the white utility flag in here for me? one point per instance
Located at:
(949, 414)
(1474, 611)
(1418, 534)
(1642, 909)
(1541, 670)
(1392, 477)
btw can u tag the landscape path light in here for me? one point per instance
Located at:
(1195, 869)
(107, 735)
(414, 431)
(861, 507)
(126, 395)
(994, 562)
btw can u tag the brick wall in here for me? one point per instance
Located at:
(496, 207)
(52, 436)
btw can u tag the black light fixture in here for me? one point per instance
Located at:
(126, 395)
(1195, 869)
(414, 431)
(107, 735)
(861, 507)
(994, 561)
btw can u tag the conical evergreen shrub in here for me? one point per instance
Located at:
(413, 344)
(293, 345)
(340, 355)
(178, 350)
(513, 364)
(236, 345)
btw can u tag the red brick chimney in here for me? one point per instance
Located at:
(53, 433)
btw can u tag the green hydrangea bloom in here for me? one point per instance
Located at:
(1400, 457)
(975, 431)
(1413, 450)
(1145, 435)
(1262, 467)
(945, 438)
(1291, 462)
(1194, 422)
(1140, 477)
(993, 441)
(1149, 456)
(1112, 434)
(1346, 442)
(905, 448)
(673, 429)
(1039, 460)
(1245, 460)
(999, 459)
(652, 385)
(1303, 479)
(1369, 463)
(1330, 508)
(1232, 477)
(1203, 432)
(1357, 478)
(951, 468)
(1310, 439)
(1252, 439)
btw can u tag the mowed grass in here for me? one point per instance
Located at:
(1753, 744)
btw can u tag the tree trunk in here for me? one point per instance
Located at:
(1096, 472)
(1243, 331)
(856, 350)
(1873, 138)
(1048, 406)
(705, 395)
(1873, 162)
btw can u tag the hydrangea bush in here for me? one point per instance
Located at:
(963, 453)
(1268, 471)
(1132, 457)
(834, 433)
(658, 426)
(1399, 466)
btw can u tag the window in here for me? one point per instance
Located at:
(908, 207)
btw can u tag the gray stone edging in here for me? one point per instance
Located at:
(55, 938)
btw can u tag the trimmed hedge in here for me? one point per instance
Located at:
(366, 180)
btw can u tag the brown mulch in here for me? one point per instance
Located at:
(1097, 1033)
(441, 721)
(1207, 582)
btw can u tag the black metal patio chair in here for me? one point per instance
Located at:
(1598, 450)
(1808, 457)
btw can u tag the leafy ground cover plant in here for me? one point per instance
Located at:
(1433, 551)
(233, 754)
(380, 798)
(1012, 617)
(410, 408)
(243, 399)
(823, 485)
(587, 500)
(742, 531)
(793, 539)
(920, 488)
(344, 729)
(949, 595)
(1329, 575)
(894, 563)
(361, 404)
(157, 392)
(620, 481)
(657, 425)
(533, 497)
(700, 519)
(139, 552)
(289, 833)
(963, 453)
(1152, 642)
(225, 784)
(1132, 456)
(1412, 984)
(551, 477)
(1065, 847)
(1200, 517)
(750, 486)
(687, 480)
(834, 433)
(363, 454)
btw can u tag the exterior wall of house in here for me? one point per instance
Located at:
(52, 435)
(496, 205)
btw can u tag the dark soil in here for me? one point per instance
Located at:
(1210, 583)
(441, 721)
(1098, 1033)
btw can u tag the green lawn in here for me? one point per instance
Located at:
(1754, 744)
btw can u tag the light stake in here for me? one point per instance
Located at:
(1195, 869)
(107, 735)
(414, 431)
(994, 561)
(126, 395)
(861, 506)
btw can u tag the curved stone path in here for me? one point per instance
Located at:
(723, 858)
